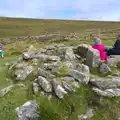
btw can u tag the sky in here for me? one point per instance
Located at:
(103, 10)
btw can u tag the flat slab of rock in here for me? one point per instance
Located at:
(82, 68)
(79, 76)
(21, 74)
(103, 83)
(68, 79)
(4, 91)
(59, 91)
(67, 86)
(115, 92)
(28, 111)
(44, 57)
(45, 85)
(45, 74)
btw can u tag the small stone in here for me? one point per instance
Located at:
(68, 79)
(35, 88)
(104, 69)
(88, 115)
(67, 87)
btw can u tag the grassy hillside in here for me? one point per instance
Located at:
(74, 104)
(11, 27)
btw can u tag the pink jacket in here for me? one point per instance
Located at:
(100, 48)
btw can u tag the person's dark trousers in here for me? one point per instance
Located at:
(113, 52)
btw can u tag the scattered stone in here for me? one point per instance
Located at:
(28, 111)
(117, 57)
(67, 79)
(4, 91)
(47, 58)
(45, 85)
(16, 62)
(70, 54)
(53, 68)
(21, 74)
(20, 85)
(45, 74)
(59, 91)
(81, 77)
(68, 64)
(26, 56)
(104, 69)
(67, 87)
(49, 97)
(112, 62)
(82, 68)
(93, 58)
(42, 93)
(35, 88)
(75, 84)
(106, 83)
(88, 115)
(82, 49)
(35, 61)
(115, 92)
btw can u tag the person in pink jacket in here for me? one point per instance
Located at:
(100, 47)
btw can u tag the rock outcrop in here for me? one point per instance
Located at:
(28, 111)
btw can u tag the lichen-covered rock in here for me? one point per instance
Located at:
(67, 78)
(92, 58)
(46, 58)
(82, 50)
(68, 64)
(56, 50)
(53, 67)
(115, 92)
(21, 74)
(75, 84)
(28, 111)
(45, 74)
(104, 69)
(81, 77)
(69, 55)
(31, 51)
(35, 87)
(67, 86)
(82, 68)
(59, 91)
(112, 62)
(44, 84)
(4, 91)
(104, 83)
